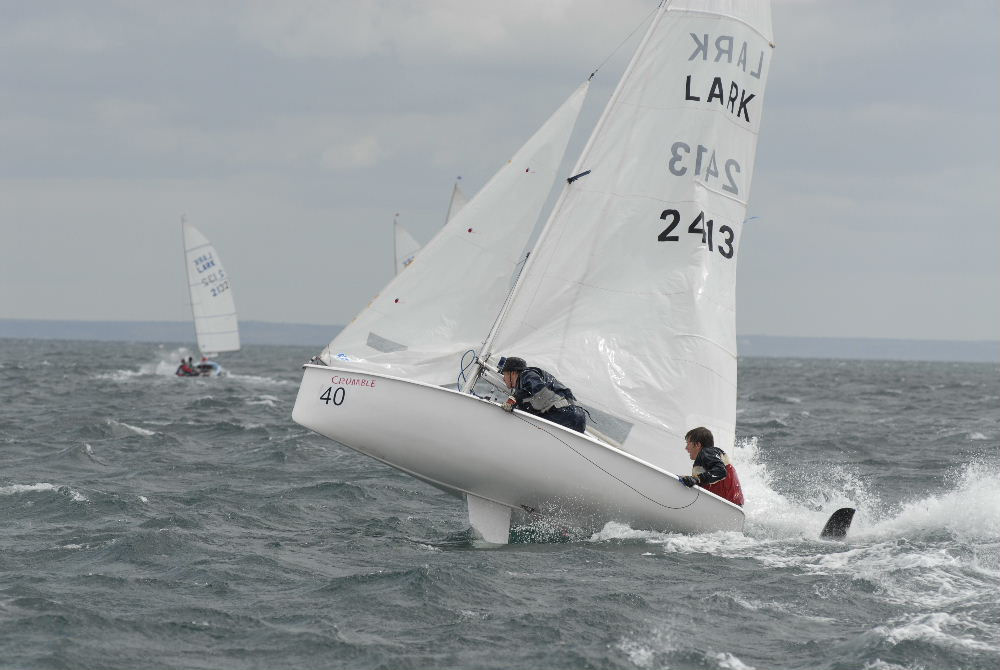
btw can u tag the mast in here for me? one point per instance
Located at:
(578, 172)
(187, 281)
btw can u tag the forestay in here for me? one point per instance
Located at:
(212, 303)
(420, 325)
(629, 294)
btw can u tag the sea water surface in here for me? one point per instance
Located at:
(150, 521)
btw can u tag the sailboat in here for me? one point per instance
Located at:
(457, 202)
(404, 247)
(628, 297)
(212, 306)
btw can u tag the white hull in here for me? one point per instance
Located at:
(470, 447)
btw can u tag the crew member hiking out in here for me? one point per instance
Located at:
(537, 392)
(712, 470)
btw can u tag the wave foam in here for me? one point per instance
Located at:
(120, 427)
(268, 400)
(970, 510)
(14, 489)
(257, 379)
(938, 628)
(727, 661)
(644, 653)
(23, 488)
(771, 514)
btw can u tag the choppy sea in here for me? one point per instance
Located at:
(150, 521)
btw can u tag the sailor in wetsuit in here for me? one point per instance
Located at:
(712, 469)
(537, 392)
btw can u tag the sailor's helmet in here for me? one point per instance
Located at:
(511, 364)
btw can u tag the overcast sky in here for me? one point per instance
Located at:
(291, 132)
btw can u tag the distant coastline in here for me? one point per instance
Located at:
(860, 348)
(317, 336)
(251, 332)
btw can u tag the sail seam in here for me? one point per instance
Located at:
(722, 194)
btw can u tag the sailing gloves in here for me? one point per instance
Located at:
(509, 405)
(688, 480)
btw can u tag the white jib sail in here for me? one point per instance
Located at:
(423, 321)
(211, 295)
(458, 201)
(628, 297)
(405, 246)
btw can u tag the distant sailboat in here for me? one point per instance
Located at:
(405, 248)
(212, 306)
(628, 297)
(458, 201)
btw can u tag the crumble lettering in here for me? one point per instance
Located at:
(351, 381)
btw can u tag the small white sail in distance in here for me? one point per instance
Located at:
(212, 305)
(422, 322)
(629, 294)
(404, 246)
(458, 201)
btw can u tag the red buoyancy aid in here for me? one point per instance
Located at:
(728, 488)
(713, 459)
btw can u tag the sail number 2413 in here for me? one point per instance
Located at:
(702, 162)
(699, 226)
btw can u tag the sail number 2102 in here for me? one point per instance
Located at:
(699, 226)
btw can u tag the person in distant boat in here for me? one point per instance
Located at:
(185, 369)
(537, 392)
(712, 470)
(204, 367)
(198, 368)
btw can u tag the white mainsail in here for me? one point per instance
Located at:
(420, 325)
(628, 297)
(404, 245)
(212, 303)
